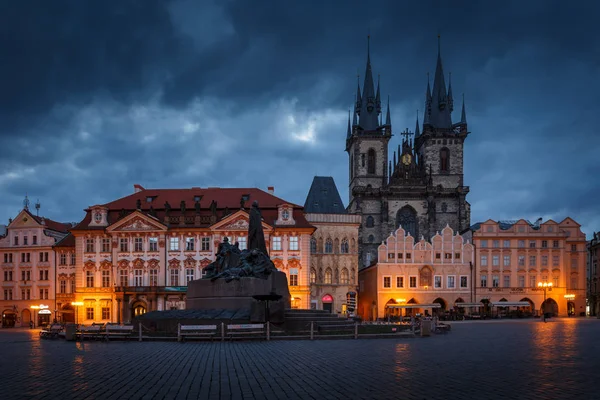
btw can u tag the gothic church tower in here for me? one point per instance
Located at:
(421, 187)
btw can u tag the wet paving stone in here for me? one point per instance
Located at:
(477, 360)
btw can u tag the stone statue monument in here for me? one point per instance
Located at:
(233, 263)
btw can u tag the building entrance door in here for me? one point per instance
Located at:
(327, 303)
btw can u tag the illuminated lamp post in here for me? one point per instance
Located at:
(545, 286)
(76, 304)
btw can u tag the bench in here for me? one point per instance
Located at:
(249, 330)
(52, 331)
(339, 327)
(119, 331)
(90, 331)
(442, 328)
(196, 331)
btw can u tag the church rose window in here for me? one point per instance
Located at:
(407, 219)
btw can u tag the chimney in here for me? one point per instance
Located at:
(271, 189)
(137, 188)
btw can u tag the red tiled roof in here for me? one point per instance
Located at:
(53, 225)
(67, 241)
(226, 198)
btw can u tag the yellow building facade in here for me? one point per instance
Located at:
(540, 263)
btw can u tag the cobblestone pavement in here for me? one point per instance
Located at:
(496, 360)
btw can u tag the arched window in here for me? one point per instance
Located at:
(371, 238)
(328, 246)
(345, 277)
(370, 222)
(313, 275)
(344, 249)
(328, 276)
(371, 161)
(313, 245)
(444, 160)
(336, 245)
(407, 218)
(425, 276)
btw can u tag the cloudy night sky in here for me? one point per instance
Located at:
(97, 96)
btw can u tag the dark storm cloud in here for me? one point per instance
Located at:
(96, 97)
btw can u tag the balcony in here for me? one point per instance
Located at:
(150, 289)
(515, 290)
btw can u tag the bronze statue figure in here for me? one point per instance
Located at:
(256, 236)
(231, 263)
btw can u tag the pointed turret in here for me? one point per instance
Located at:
(349, 133)
(390, 175)
(368, 117)
(427, 102)
(463, 114)
(440, 112)
(378, 95)
(388, 118)
(358, 101)
(417, 130)
(450, 99)
(395, 162)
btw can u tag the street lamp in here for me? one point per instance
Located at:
(76, 304)
(545, 286)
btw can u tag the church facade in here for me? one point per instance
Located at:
(418, 186)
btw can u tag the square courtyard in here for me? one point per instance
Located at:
(513, 359)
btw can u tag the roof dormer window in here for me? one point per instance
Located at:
(149, 199)
(197, 198)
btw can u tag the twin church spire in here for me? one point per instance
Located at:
(439, 102)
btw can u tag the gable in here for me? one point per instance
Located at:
(238, 221)
(24, 220)
(136, 221)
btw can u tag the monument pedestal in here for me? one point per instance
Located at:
(204, 294)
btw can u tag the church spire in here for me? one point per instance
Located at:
(358, 98)
(427, 102)
(440, 111)
(369, 110)
(417, 130)
(463, 115)
(349, 133)
(378, 96)
(450, 99)
(388, 118)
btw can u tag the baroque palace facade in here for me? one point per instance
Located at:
(28, 265)
(137, 253)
